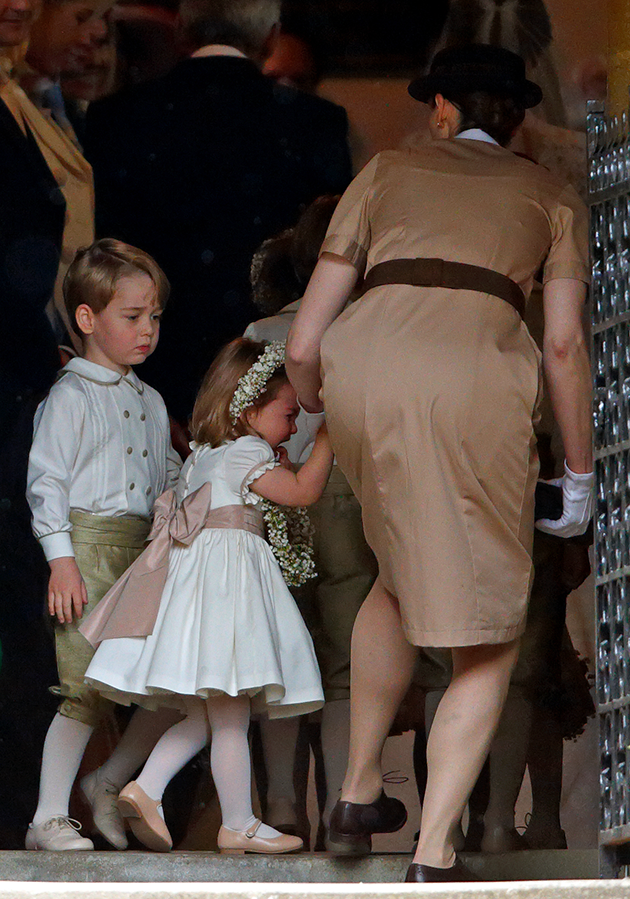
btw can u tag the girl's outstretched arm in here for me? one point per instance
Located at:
(303, 487)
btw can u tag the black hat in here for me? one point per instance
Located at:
(477, 67)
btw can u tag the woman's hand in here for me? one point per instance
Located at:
(578, 502)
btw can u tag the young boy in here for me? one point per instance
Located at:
(101, 454)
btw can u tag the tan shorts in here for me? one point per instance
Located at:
(104, 548)
(346, 570)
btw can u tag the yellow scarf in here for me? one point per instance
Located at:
(69, 168)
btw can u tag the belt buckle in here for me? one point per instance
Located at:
(433, 272)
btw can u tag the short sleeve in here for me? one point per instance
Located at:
(246, 460)
(349, 233)
(568, 256)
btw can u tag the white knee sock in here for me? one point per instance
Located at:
(230, 763)
(139, 738)
(63, 750)
(176, 747)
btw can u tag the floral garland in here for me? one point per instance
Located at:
(290, 535)
(254, 381)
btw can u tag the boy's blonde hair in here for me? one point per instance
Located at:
(211, 422)
(97, 269)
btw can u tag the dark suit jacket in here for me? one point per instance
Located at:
(32, 212)
(198, 168)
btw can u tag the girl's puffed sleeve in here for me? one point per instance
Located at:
(349, 233)
(568, 255)
(245, 461)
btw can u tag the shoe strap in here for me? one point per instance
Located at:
(251, 833)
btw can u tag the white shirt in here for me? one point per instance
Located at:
(101, 444)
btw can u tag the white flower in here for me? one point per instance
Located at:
(254, 381)
(290, 535)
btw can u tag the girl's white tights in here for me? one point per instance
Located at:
(229, 758)
(174, 749)
(139, 737)
(230, 763)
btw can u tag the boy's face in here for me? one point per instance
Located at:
(127, 330)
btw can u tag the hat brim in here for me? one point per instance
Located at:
(425, 88)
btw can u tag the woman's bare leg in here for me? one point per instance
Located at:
(461, 734)
(382, 663)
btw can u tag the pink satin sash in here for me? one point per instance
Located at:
(130, 607)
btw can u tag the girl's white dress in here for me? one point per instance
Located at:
(227, 622)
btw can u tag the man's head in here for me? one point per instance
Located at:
(64, 34)
(293, 62)
(115, 294)
(247, 25)
(15, 20)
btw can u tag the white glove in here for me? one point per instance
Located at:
(578, 503)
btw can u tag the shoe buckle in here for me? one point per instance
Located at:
(250, 834)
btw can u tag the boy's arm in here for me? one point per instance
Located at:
(301, 488)
(173, 465)
(56, 439)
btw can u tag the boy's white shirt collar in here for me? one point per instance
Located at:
(99, 374)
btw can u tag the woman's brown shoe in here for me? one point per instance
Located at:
(352, 824)
(240, 841)
(144, 818)
(457, 873)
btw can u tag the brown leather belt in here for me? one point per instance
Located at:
(452, 275)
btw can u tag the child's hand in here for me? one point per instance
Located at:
(66, 590)
(322, 435)
(283, 458)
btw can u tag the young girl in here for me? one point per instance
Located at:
(204, 620)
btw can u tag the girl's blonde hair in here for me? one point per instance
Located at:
(211, 422)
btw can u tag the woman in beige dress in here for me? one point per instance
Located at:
(431, 384)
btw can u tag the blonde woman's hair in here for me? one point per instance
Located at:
(211, 422)
(96, 270)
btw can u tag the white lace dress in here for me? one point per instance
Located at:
(227, 622)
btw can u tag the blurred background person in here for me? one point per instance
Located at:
(62, 40)
(202, 165)
(32, 210)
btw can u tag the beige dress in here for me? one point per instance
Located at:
(431, 393)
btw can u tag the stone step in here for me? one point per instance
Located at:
(303, 868)
(545, 889)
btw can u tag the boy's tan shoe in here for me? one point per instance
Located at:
(239, 841)
(58, 834)
(144, 817)
(102, 797)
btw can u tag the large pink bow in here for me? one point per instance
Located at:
(130, 607)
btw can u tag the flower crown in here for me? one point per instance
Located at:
(254, 381)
